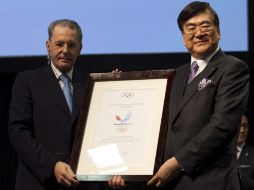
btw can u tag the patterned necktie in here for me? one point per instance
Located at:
(193, 71)
(67, 90)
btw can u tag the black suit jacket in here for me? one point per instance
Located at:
(41, 127)
(246, 167)
(204, 121)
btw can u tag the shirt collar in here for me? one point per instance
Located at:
(205, 61)
(240, 147)
(57, 72)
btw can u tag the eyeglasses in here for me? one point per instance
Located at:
(191, 29)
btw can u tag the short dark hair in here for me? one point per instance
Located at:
(65, 22)
(194, 9)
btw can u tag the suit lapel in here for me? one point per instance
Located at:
(54, 90)
(244, 155)
(178, 89)
(192, 88)
(78, 92)
(77, 96)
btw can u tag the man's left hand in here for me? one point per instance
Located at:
(165, 172)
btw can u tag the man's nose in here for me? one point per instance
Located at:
(241, 130)
(199, 32)
(65, 48)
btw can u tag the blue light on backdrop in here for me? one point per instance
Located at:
(113, 26)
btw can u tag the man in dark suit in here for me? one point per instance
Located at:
(245, 156)
(208, 98)
(44, 111)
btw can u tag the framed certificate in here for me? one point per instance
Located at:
(122, 125)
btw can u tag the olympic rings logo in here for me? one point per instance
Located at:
(127, 94)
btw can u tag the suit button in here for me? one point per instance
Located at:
(174, 130)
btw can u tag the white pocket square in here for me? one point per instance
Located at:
(205, 83)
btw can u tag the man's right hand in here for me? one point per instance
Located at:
(117, 182)
(64, 175)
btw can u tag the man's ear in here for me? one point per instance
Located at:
(183, 42)
(218, 31)
(48, 46)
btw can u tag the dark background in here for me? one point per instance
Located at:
(99, 63)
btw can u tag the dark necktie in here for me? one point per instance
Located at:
(67, 90)
(193, 71)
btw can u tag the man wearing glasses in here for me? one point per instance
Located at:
(208, 98)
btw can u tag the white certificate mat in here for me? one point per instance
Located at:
(122, 128)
